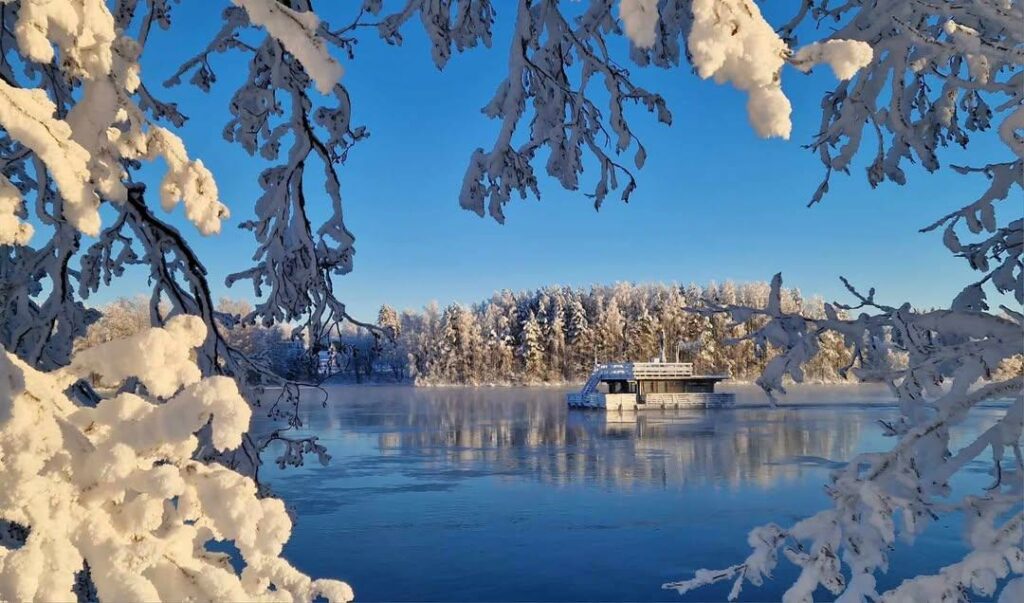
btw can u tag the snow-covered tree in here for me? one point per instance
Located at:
(119, 319)
(531, 349)
(579, 339)
(392, 352)
(610, 325)
(642, 337)
(459, 349)
(77, 120)
(387, 320)
(569, 340)
(552, 306)
(499, 344)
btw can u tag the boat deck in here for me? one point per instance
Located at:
(698, 390)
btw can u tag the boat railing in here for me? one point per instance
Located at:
(646, 370)
(623, 370)
(637, 370)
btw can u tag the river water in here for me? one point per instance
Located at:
(503, 494)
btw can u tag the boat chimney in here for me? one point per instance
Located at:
(662, 341)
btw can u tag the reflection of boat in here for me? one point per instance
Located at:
(462, 432)
(629, 386)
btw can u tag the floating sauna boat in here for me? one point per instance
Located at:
(649, 385)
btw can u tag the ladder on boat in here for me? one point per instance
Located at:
(621, 370)
(591, 385)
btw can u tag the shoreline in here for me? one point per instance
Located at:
(573, 384)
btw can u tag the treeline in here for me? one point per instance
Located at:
(556, 334)
(551, 335)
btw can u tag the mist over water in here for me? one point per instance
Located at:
(463, 494)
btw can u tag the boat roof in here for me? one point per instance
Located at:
(653, 371)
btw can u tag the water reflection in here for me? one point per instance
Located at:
(450, 433)
(504, 495)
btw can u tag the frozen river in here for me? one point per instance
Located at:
(471, 494)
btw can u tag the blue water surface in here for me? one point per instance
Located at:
(503, 494)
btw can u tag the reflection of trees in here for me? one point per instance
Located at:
(531, 433)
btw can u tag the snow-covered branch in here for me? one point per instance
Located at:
(938, 71)
(114, 490)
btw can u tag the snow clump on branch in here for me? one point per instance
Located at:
(116, 486)
(845, 57)
(12, 230)
(641, 20)
(27, 116)
(732, 42)
(297, 32)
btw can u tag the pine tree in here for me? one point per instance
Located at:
(387, 320)
(499, 363)
(611, 324)
(579, 340)
(554, 337)
(391, 351)
(642, 337)
(531, 349)
(575, 328)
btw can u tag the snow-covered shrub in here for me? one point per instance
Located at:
(117, 487)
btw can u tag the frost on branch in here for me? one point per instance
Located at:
(82, 30)
(881, 496)
(274, 115)
(158, 357)
(116, 487)
(186, 181)
(75, 129)
(565, 123)
(941, 72)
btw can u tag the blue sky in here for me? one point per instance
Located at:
(714, 202)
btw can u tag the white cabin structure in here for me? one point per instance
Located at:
(649, 385)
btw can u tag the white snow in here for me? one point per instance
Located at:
(83, 152)
(159, 357)
(12, 230)
(641, 20)
(845, 57)
(731, 42)
(116, 485)
(968, 41)
(27, 115)
(83, 30)
(297, 33)
(187, 181)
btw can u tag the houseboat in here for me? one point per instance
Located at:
(649, 385)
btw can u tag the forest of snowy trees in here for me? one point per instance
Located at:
(556, 334)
